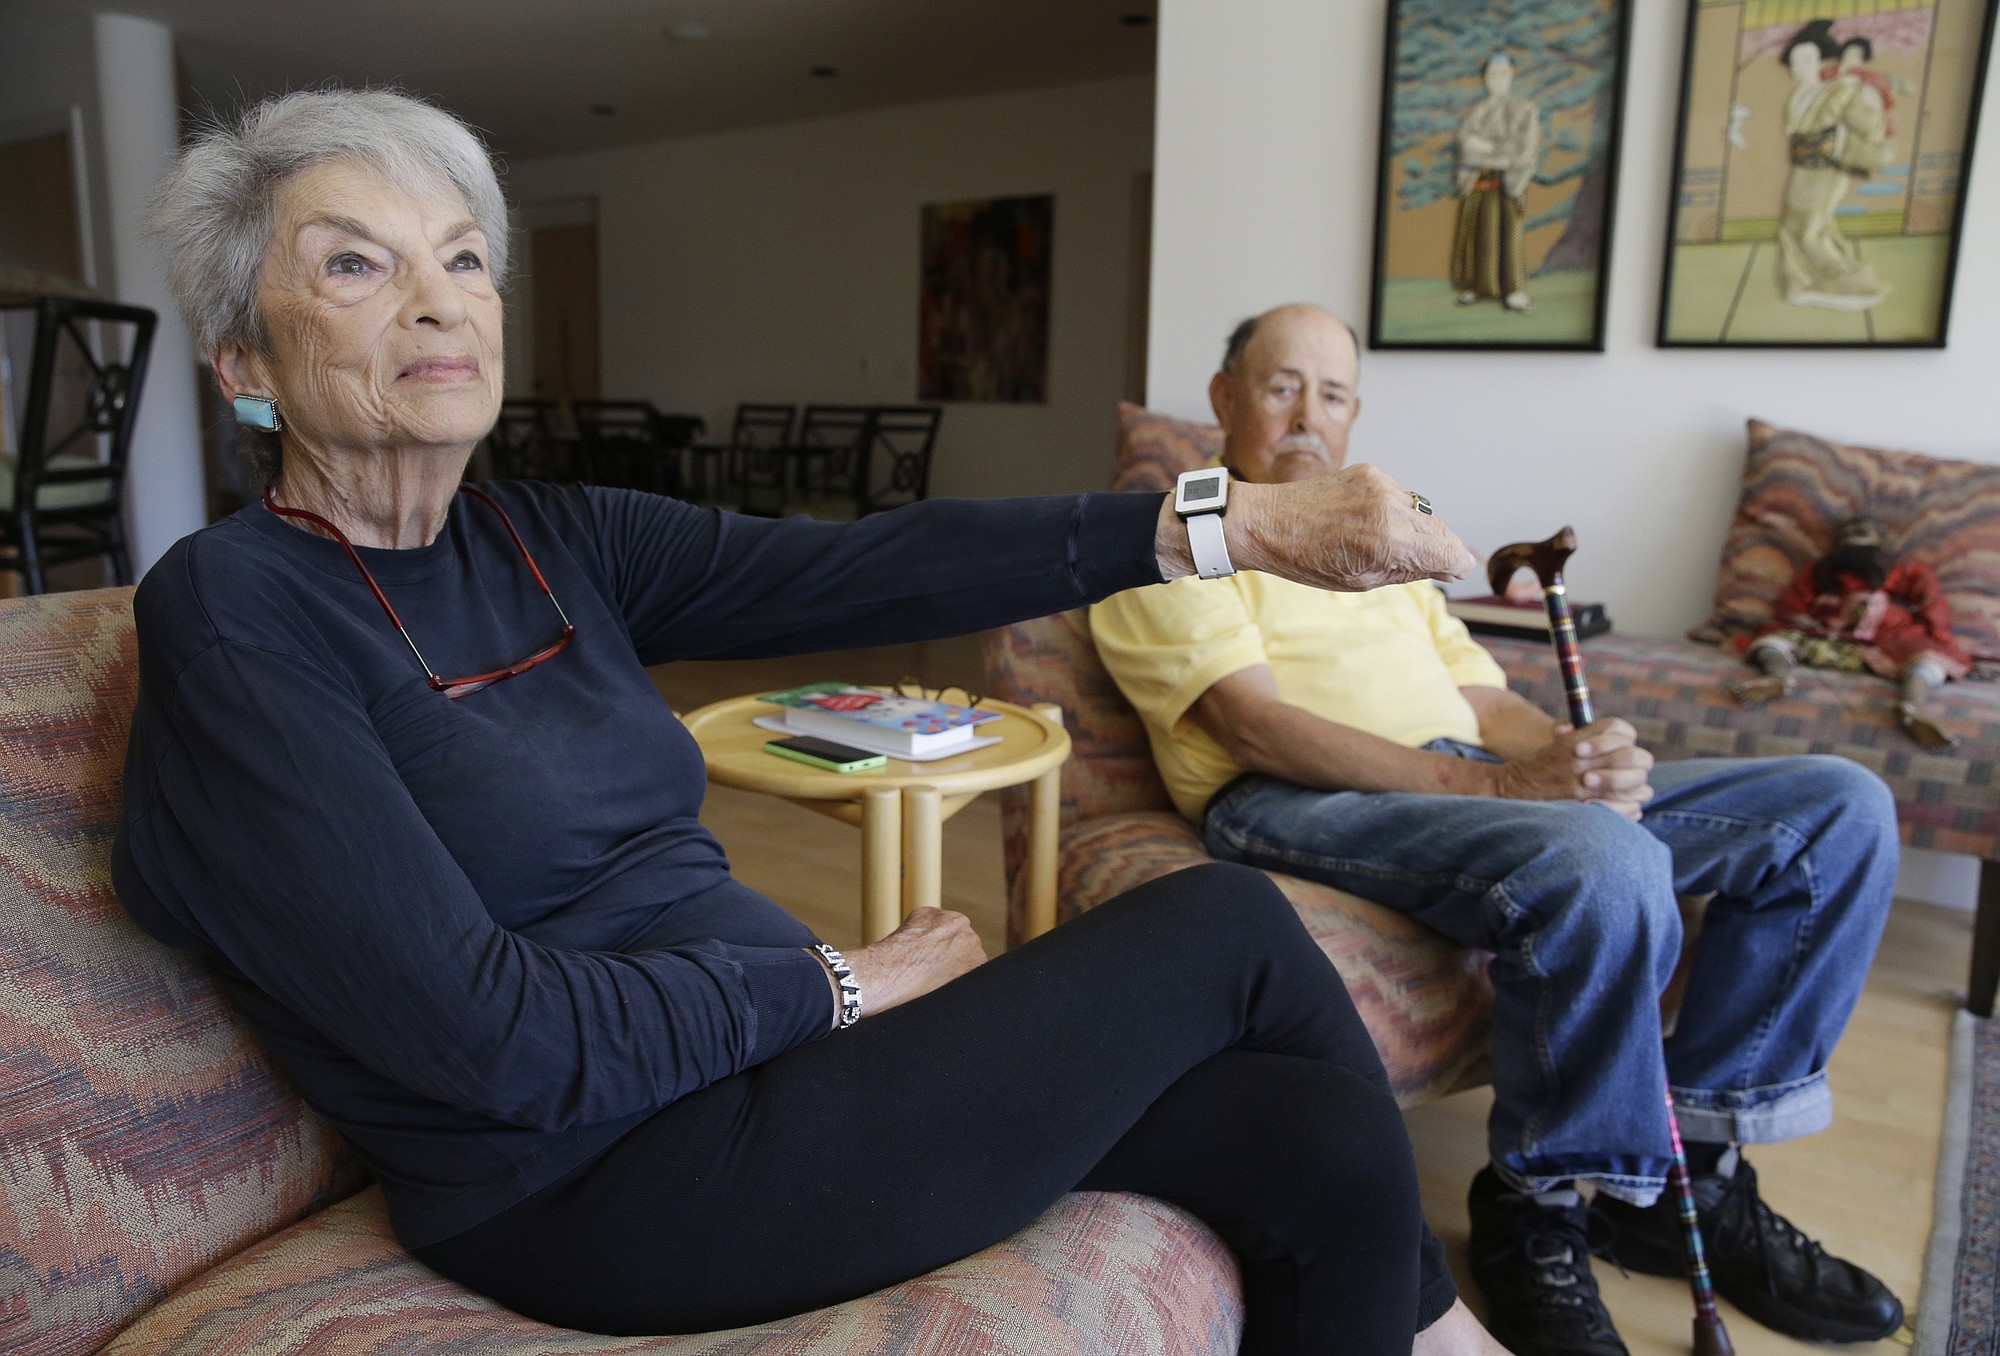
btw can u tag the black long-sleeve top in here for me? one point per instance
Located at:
(435, 912)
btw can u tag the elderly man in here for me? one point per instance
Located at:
(1365, 741)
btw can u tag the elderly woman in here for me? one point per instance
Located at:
(398, 769)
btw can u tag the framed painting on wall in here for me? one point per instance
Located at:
(983, 316)
(1819, 169)
(1497, 174)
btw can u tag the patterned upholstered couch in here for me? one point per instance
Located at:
(166, 1192)
(1796, 488)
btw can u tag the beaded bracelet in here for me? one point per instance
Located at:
(843, 977)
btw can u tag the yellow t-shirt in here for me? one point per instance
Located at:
(1390, 662)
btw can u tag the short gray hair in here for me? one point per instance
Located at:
(1239, 339)
(214, 211)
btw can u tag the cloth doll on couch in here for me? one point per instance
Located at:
(1850, 610)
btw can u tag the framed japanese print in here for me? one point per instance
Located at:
(1819, 169)
(1497, 173)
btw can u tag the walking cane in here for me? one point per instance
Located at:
(1546, 559)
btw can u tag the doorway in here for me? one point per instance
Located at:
(565, 310)
(39, 232)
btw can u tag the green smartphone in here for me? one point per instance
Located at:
(827, 754)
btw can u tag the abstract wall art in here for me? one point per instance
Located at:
(983, 317)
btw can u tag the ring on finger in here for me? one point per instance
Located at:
(1420, 504)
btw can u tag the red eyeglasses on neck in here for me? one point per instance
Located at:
(451, 687)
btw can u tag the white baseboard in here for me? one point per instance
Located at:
(1947, 878)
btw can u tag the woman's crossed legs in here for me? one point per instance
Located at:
(1187, 1041)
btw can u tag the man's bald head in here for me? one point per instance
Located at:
(1239, 338)
(1286, 396)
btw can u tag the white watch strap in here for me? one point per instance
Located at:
(1210, 551)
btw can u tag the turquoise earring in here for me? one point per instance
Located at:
(258, 412)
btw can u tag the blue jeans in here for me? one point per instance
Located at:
(1578, 906)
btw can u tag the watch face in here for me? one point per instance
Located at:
(1206, 492)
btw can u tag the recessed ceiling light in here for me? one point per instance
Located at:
(690, 32)
(826, 72)
(603, 110)
(1136, 20)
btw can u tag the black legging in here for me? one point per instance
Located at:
(1187, 1040)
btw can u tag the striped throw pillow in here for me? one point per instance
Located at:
(1153, 448)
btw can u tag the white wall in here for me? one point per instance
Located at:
(1264, 192)
(780, 263)
(1264, 165)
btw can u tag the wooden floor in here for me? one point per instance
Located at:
(1863, 1187)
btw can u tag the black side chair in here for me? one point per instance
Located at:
(757, 454)
(825, 463)
(677, 436)
(714, 469)
(621, 445)
(680, 430)
(896, 468)
(62, 496)
(520, 445)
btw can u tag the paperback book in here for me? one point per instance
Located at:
(1493, 616)
(878, 720)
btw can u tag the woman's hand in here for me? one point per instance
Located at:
(931, 949)
(1350, 531)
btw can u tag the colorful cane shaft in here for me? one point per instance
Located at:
(1710, 1337)
(1683, 1189)
(1569, 654)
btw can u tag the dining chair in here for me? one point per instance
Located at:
(716, 468)
(783, 471)
(62, 490)
(520, 445)
(621, 445)
(823, 465)
(677, 436)
(895, 468)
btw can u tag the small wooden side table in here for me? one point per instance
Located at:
(901, 810)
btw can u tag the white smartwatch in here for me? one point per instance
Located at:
(1200, 498)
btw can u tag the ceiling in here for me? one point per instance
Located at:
(528, 72)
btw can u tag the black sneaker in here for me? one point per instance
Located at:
(1760, 1260)
(1532, 1261)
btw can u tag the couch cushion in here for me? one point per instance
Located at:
(1098, 1273)
(1672, 693)
(1424, 998)
(143, 1136)
(1110, 768)
(1154, 448)
(1797, 489)
(1052, 659)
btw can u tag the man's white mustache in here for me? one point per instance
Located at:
(1299, 442)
